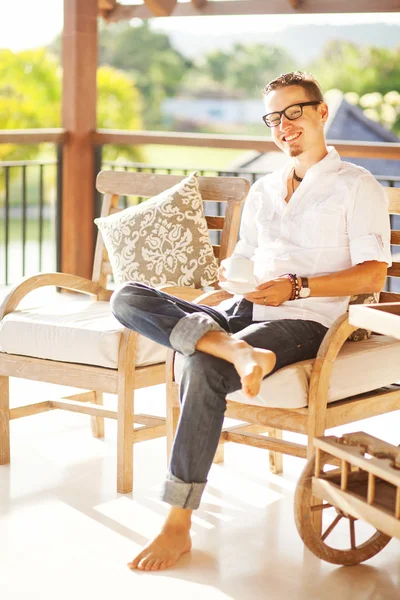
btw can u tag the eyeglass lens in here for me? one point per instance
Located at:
(291, 113)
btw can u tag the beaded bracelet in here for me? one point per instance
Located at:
(295, 285)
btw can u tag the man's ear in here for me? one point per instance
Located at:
(324, 111)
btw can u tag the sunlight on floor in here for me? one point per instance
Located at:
(65, 532)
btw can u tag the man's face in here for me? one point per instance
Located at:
(302, 134)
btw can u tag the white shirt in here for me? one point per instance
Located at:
(337, 218)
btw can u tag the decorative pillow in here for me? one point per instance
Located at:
(162, 241)
(362, 334)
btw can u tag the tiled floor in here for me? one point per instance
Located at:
(65, 532)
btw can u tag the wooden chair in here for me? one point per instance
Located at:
(347, 381)
(126, 370)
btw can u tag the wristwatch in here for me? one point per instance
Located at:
(304, 290)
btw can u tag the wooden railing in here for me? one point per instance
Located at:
(134, 138)
(29, 218)
(33, 136)
(17, 252)
(350, 149)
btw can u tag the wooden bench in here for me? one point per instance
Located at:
(126, 374)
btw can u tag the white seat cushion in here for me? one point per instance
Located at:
(72, 331)
(359, 367)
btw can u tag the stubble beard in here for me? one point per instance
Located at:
(295, 151)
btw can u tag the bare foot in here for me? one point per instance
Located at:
(164, 551)
(253, 364)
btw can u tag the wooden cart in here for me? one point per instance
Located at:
(366, 484)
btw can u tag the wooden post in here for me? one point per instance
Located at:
(79, 119)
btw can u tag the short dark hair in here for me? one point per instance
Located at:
(304, 80)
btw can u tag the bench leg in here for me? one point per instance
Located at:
(316, 517)
(125, 440)
(4, 421)
(172, 418)
(97, 423)
(219, 455)
(275, 458)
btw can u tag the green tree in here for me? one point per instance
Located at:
(246, 69)
(119, 106)
(360, 69)
(217, 65)
(368, 76)
(30, 97)
(149, 57)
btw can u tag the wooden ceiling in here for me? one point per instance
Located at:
(111, 10)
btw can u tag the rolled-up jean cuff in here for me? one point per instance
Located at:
(181, 494)
(189, 330)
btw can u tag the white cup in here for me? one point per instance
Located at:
(239, 269)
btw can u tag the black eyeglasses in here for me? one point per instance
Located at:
(292, 112)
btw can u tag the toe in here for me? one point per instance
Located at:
(135, 562)
(146, 562)
(149, 564)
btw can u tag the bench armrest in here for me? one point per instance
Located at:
(330, 347)
(62, 280)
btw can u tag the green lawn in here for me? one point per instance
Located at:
(191, 157)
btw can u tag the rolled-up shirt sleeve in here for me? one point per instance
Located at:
(247, 244)
(368, 223)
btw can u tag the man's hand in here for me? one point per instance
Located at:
(271, 293)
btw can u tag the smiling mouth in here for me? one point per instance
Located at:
(291, 138)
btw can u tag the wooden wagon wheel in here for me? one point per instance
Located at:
(305, 513)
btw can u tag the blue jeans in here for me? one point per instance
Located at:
(206, 380)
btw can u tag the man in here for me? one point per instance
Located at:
(318, 231)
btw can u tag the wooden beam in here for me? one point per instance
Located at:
(32, 136)
(259, 7)
(85, 408)
(199, 3)
(106, 7)
(168, 138)
(79, 119)
(268, 443)
(160, 8)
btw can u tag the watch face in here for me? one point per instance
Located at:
(304, 292)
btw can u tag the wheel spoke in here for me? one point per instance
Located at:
(352, 533)
(321, 506)
(331, 527)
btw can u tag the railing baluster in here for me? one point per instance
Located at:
(23, 218)
(59, 206)
(7, 218)
(41, 200)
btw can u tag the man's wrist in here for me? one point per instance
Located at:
(305, 290)
(294, 280)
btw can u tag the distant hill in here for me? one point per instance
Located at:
(304, 42)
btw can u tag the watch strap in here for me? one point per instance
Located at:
(304, 282)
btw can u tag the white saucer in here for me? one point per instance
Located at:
(237, 287)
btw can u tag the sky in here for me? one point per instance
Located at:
(28, 24)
